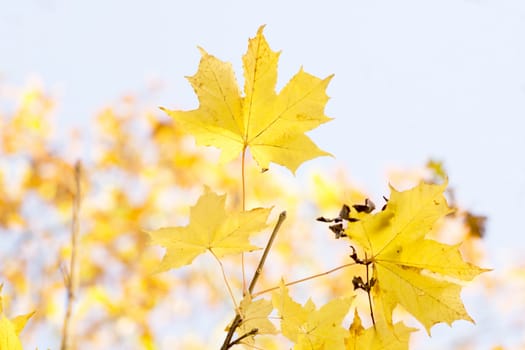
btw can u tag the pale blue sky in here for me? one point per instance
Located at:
(413, 79)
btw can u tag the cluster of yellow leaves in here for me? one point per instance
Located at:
(420, 274)
(134, 180)
(11, 214)
(27, 131)
(24, 134)
(149, 180)
(114, 267)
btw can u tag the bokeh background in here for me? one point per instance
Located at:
(414, 81)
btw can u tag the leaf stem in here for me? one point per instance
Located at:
(237, 320)
(304, 279)
(225, 279)
(368, 293)
(243, 180)
(70, 278)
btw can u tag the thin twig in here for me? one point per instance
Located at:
(244, 336)
(237, 320)
(70, 279)
(303, 279)
(258, 271)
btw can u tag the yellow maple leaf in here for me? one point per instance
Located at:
(309, 328)
(211, 228)
(420, 274)
(10, 329)
(272, 125)
(254, 314)
(378, 337)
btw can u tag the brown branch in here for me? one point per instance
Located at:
(70, 279)
(242, 337)
(237, 320)
(258, 271)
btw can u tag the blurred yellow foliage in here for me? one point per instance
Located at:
(142, 171)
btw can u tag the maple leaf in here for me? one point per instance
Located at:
(420, 274)
(309, 328)
(272, 125)
(211, 228)
(378, 337)
(10, 329)
(254, 314)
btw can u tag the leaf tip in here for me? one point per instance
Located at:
(202, 51)
(327, 154)
(261, 29)
(168, 111)
(164, 109)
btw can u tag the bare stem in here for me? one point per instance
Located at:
(243, 180)
(70, 278)
(237, 320)
(225, 279)
(304, 279)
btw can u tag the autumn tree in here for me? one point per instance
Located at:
(402, 267)
(247, 230)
